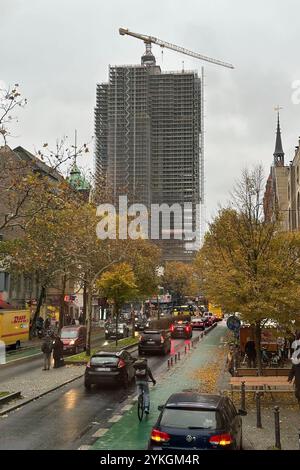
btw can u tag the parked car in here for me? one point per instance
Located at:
(110, 331)
(116, 367)
(181, 329)
(73, 338)
(191, 421)
(198, 322)
(152, 341)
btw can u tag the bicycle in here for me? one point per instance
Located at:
(141, 405)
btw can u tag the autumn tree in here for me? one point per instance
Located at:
(246, 265)
(178, 279)
(118, 285)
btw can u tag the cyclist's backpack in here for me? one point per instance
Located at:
(140, 367)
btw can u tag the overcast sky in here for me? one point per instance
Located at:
(57, 50)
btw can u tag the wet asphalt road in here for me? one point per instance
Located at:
(67, 417)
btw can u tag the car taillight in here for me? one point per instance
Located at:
(159, 436)
(221, 439)
(172, 327)
(187, 328)
(121, 363)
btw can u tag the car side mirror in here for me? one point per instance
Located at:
(242, 413)
(160, 407)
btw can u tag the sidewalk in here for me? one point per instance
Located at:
(127, 432)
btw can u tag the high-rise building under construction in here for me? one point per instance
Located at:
(148, 140)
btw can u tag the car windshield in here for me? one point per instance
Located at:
(100, 360)
(69, 334)
(184, 418)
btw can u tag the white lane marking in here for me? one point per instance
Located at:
(100, 432)
(127, 407)
(115, 419)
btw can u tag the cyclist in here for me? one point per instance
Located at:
(142, 375)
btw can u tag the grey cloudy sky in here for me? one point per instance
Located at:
(58, 49)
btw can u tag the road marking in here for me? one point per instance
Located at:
(84, 447)
(115, 419)
(100, 432)
(127, 407)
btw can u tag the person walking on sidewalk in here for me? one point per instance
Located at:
(142, 375)
(295, 373)
(46, 348)
(58, 348)
(251, 352)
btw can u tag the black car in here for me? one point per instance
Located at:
(191, 421)
(181, 329)
(140, 323)
(110, 330)
(109, 367)
(154, 341)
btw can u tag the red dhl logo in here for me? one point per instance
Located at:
(19, 319)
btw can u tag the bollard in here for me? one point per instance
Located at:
(189, 344)
(243, 396)
(168, 363)
(277, 428)
(175, 358)
(171, 360)
(178, 355)
(258, 410)
(184, 349)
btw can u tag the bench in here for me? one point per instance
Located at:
(261, 383)
(250, 372)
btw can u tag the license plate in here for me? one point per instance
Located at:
(65, 348)
(179, 329)
(103, 369)
(150, 341)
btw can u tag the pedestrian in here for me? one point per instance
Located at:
(46, 348)
(295, 373)
(58, 349)
(47, 324)
(251, 352)
(296, 343)
(230, 360)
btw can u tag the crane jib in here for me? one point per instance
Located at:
(168, 45)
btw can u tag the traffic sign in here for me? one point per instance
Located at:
(233, 323)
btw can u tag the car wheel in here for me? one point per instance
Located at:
(87, 385)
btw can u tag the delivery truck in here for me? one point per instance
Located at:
(14, 327)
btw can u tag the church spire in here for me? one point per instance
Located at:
(278, 152)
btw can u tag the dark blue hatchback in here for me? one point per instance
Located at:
(192, 421)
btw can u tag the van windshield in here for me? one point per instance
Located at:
(69, 334)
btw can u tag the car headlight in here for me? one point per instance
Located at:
(72, 342)
(106, 331)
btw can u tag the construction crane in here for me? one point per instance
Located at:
(148, 40)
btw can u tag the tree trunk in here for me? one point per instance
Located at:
(133, 322)
(258, 346)
(89, 320)
(116, 307)
(84, 302)
(38, 308)
(62, 302)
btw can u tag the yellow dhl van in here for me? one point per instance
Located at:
(14, 327)
(215, 310)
